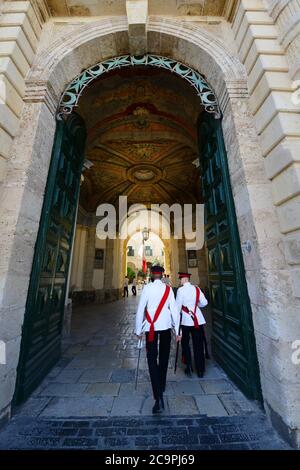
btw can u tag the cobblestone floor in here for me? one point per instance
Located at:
(89, 400)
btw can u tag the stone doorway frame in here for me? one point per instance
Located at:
(28, 168)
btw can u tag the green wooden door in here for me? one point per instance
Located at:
(233, 340)
(41, 334)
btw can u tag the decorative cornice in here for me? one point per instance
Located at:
(41, 92)
(230, 9)
(235, 89)
(41, 9)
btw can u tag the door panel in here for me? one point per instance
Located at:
(233, 339)
(41, 333)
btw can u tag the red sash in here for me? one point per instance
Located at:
(157, 313)
(186, 310)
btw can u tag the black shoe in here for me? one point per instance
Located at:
(159, 406)
(188, 371)
(200, 375)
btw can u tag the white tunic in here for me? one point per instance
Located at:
(150, 298)
(186, 296)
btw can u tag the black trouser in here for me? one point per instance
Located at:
(198, 347)
(133, 289)
(125, 291)
(158, 370)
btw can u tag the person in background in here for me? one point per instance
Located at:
(133, 288)
(125, 285)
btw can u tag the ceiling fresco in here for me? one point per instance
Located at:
(142, 139)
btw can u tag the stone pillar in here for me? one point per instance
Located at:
(276, 116)
(89, 258)
(122, 263)
(78, 258)
(202, 267)
(20, 207)
(182, 258)
(108, 272)
(167, 256)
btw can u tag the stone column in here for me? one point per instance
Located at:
(167, 256)
(108, 273)
(78, 258)
(20, 207)
(202, 267)
(182, 258)
(276, 116)
(123, 259)
(89, 259)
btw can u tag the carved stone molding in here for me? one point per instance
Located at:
(41, 10)
(236, 89)
(41, 92)
(230, 9)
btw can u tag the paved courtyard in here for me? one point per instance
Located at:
(89, 399)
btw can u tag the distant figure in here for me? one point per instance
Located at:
(126, 282)
(133, 288)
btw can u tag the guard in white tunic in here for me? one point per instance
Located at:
(189, 299)
(156, 315)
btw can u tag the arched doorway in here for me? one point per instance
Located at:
(249, 382)
(152, 251)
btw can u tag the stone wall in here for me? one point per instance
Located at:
(286, 15)
(261, 134)
(262, 49)
(20, 31)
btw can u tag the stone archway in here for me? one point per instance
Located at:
(28, 168)
(73, 92)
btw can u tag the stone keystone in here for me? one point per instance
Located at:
(137, 15)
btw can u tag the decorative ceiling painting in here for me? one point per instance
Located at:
(142, 138)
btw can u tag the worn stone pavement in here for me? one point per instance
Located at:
(88, 401)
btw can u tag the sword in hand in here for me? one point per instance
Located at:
(139, 347)
(178, 339)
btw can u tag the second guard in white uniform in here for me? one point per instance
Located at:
(189, 300)
(157, 314)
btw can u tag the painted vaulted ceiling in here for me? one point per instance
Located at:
(142, 139)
